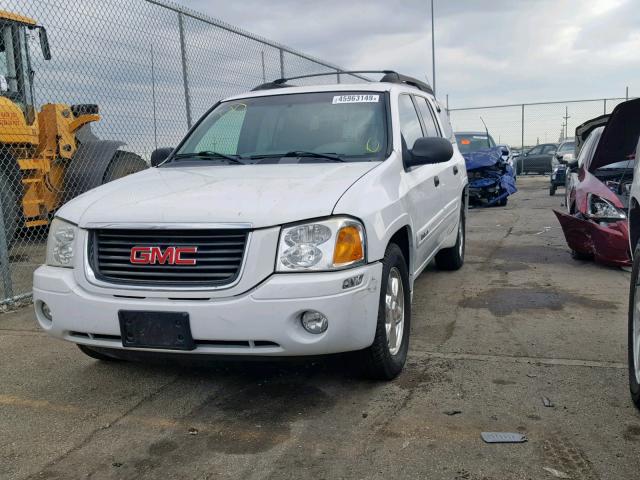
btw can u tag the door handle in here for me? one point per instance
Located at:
(436, 181)
(455, 169)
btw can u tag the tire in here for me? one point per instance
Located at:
(97, 354)
(10, 207)
(634, 324)
(381, 361)
(552, 190)
(503, 202)
(123, 164)
(453, 258)
(581, 256)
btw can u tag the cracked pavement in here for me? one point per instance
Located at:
(522, 320)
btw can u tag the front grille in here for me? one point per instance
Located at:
(218, 258)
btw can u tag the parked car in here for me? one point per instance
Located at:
(564, 155)
(633, 335)
(538, 159)
(595, 223)
(491, 175)
(290, 221)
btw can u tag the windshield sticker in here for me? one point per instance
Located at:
(480, 137)
(465, 141)
(373, 145)
(356, 99)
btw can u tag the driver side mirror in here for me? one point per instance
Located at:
(430, 150)
(160, 155)
(44, 43)
(572, 165)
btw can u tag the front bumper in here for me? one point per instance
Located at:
(608, 243)
(263, 321)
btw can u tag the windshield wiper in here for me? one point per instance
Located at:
(300, 153)
(209, 155)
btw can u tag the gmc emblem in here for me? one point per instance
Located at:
(155, 255)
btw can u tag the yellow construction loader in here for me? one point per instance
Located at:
(49, 156)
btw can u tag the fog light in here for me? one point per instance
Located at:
(314, 322)
(352, 281)
(46, 311)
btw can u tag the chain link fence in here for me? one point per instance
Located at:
(88, 99)
(523, 126)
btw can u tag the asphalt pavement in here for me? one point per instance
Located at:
(520, 325)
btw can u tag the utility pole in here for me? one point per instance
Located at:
(433, 51)
(566, 121)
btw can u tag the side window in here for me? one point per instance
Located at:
(446, 124)
(427, 117)
(587, 148)
(536, 150)
(409, 122)
(549, 149)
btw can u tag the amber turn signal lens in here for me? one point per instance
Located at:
(349, 246)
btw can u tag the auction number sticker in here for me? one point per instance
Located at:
(356, 99)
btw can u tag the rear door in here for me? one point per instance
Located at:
(546, 159)
(530, 158)
(423, 201)
(449, 173)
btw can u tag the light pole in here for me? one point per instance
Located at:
(433, 51)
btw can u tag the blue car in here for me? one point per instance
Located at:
(491, 174)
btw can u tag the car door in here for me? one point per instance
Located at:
(448, 173)
(530, 159)
(546, 159)
(422, 199)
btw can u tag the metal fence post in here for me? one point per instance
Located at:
(281, 63)
(185, 79)
(605, 106)
(521, 162)
(4, 259)
(338, 75)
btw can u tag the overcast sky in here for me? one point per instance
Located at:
(487, 51)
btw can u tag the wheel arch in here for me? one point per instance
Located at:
(404, 240)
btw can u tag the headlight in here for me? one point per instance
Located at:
(601, 209)
(329, 244)
(60, 244)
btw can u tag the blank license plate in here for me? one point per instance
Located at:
(167, 330)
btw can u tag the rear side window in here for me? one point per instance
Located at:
(535, 150)
(409, 121)
(447, 131)
(549, 149)
(427, 117)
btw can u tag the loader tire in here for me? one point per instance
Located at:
(123, 164)
(10, 209)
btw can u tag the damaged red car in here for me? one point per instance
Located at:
(595, 224)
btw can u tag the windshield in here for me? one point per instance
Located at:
(567, 147)
(348, 125)
(626, 164)
(468, 143)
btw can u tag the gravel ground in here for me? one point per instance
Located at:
(521, 321)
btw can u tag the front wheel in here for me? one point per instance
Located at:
(552, 190)
(386, 356)
(633, 344)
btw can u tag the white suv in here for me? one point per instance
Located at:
(290, 221)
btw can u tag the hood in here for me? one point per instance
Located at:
(262, 195)
(620, 136)
(583, 130)
(482, 158)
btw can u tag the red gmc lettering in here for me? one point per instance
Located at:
(155, 255)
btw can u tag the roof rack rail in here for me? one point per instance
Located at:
(390, 76)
